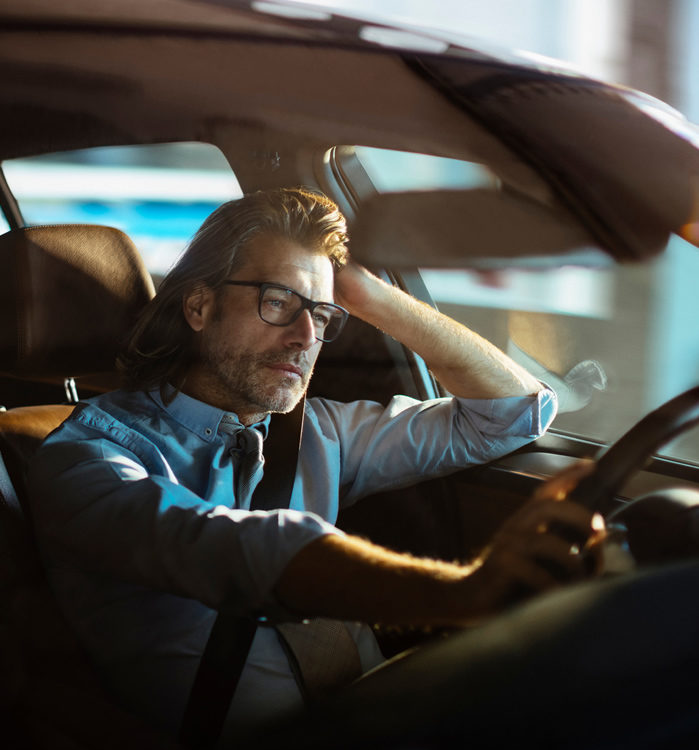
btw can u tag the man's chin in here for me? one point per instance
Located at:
(283, 400)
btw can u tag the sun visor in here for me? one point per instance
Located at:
(625, 164)
(457, 228)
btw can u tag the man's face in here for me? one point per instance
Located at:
(246, 365)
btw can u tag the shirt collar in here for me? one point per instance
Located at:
(199, 417)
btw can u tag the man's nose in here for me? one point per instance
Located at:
(302, 333)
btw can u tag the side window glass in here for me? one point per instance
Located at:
(393, 171)
(613, 341)
(157, 194)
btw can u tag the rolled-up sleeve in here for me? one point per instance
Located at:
(409, 440)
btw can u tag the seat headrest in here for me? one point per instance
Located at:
(68, 296)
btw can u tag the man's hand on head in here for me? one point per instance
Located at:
(353, 287)
(465, 364)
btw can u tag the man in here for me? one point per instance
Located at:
(142, 501)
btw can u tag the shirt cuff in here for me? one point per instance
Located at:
(523, 416)
(282, 534)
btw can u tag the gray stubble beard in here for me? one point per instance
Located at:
(239, 374)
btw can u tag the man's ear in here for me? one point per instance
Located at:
(198, 306)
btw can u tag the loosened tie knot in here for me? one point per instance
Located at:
(248, 460)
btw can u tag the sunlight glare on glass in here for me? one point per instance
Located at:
(287, 11)
(401, 39)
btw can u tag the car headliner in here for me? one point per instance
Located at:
(593, 167)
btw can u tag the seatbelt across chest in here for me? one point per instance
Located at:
(231, 636)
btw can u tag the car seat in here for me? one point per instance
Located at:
(68, 295)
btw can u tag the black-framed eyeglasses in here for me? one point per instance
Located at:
(280, 306)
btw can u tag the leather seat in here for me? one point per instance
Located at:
(68, 296)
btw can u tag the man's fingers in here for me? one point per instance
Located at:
(523, 574)
(565, 519)
(563, 560)
(563, 483)
(545, 544)
(539, 561)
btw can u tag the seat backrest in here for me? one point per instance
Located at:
(68, 295)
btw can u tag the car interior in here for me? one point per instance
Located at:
(583, 177)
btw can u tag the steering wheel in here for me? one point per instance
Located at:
(619, 461)
(662, 526)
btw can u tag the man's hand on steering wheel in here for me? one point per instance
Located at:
(549, 542)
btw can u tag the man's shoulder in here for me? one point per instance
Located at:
(124, 406)
(348, 415)
(107, 413)
(318, 406)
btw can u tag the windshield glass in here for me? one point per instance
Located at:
(613, 341)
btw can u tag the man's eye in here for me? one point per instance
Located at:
(320, 319)
(277, 303)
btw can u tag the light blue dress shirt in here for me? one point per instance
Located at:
(143, 538)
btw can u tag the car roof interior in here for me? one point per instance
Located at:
(81, 74)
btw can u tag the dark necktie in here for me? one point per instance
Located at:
(248, 461)
(251, 465)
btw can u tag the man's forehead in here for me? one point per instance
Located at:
(270, 244)
(283, 260)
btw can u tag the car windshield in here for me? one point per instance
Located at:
(614, 341)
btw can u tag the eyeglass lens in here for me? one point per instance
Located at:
(280, 307)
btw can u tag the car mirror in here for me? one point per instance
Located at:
(623, 166)
(454, 228)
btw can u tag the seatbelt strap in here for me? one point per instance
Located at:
(227, 649)
(8, 496)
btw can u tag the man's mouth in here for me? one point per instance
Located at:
(287, 368)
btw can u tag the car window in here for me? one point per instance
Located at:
(157, 194)
(613, 341)
(393, 171)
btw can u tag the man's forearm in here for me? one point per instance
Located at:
(464, 363)
(538, 548)
(348, 578)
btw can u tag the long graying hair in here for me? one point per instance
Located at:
(162, 345)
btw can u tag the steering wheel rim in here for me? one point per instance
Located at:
(616, 463)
